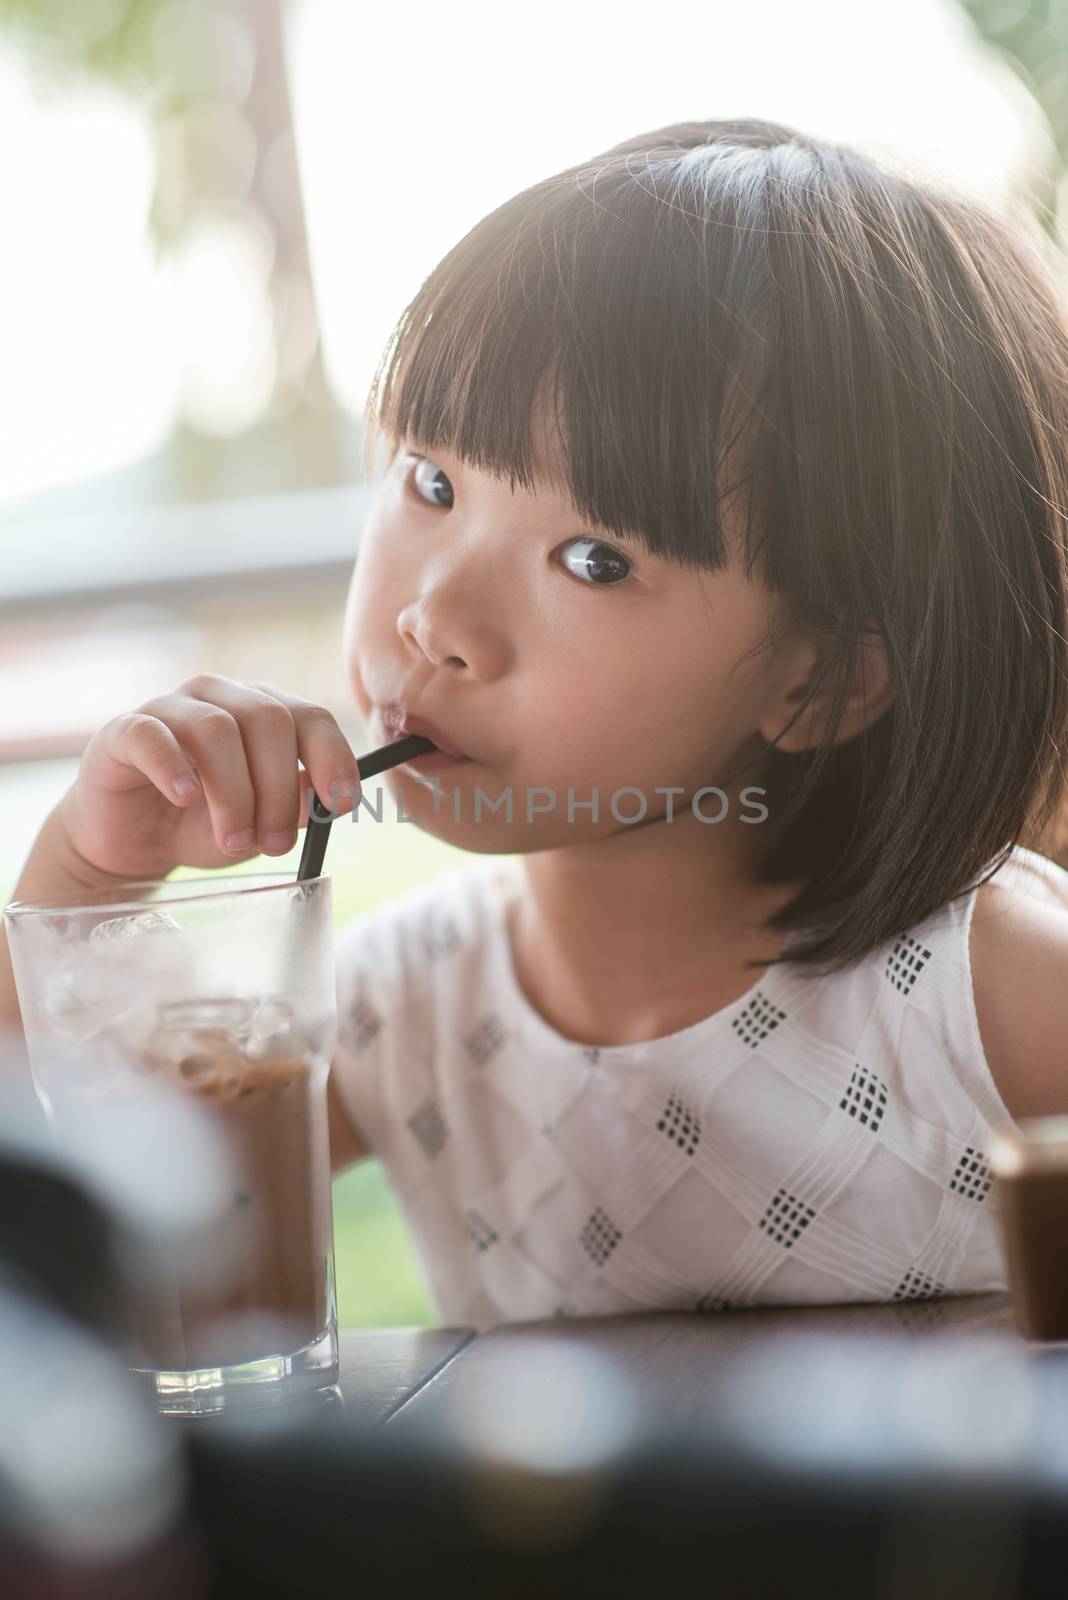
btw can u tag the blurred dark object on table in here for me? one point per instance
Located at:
(1030, 1167)
(867, 1467)
(93, 1492)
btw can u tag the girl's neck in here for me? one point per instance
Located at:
(643, 934)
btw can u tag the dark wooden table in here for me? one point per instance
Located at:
(382, 1369)
(857, 1450)
(392, 1375)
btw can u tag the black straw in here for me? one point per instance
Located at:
(320, 817)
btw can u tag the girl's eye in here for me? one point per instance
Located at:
(599, 563)
(603, 565)
(434, 481)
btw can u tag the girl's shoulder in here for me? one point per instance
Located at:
(971, 1001)
(1019, 961)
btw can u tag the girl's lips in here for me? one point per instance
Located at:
(397, 724)
(434, 761)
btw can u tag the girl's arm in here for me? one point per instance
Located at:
(1019, 959)
(346, 1145)
(52, 867)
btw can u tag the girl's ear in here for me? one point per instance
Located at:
(870, 693)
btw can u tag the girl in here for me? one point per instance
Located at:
(752, 959)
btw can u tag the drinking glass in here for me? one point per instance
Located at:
(220, 991)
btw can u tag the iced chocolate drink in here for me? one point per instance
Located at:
(272, 1108)
(221, 990)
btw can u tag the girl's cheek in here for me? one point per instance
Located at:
(357, 644)
(370, 595)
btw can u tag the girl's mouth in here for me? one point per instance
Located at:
(435, 761)
(397, 723)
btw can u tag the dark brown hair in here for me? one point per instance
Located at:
(895, 357)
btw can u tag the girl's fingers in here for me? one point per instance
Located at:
(210, 736)
(240, 746)
(269, 735)
(144, 742)
(324, 750)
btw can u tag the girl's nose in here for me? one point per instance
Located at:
(423, 634)
(446, 628)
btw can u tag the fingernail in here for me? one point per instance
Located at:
(279, 841)
(340, 792)
(239, 841)
(185, 786)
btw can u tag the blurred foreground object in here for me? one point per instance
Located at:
(1031, 1169)
(867, 1466)
(92, 1490)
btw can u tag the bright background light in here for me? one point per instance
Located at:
(410, 126)
(413, 124)
(89, 358)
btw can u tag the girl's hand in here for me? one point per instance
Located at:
(204, 777)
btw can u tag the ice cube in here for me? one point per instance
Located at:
(271, 1033)
(105, 977)
(231, 1014)
(72, 1016)
(134, 927)
(220, 1071)
(199, 1041)
(84, 995)
(194, 1058)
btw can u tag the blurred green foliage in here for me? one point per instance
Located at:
(113, 37)
(1031, 37)
(379, 1283)
(190, 64)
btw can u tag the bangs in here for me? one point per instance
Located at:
(606, 320)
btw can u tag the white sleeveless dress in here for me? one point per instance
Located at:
(820, 1139)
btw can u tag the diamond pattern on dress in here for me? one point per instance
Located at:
(916, 1285)
(440, 941)
(483, 1043)
(865, 1098)
(681, 1124)
(479, 1228)
(786, 1218)
(365, 1024)
(428, 1126)
(755, 1021)
(600, 1236)
(906, 961)
(971, 1176)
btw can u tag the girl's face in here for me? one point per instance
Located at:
(557, 660)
